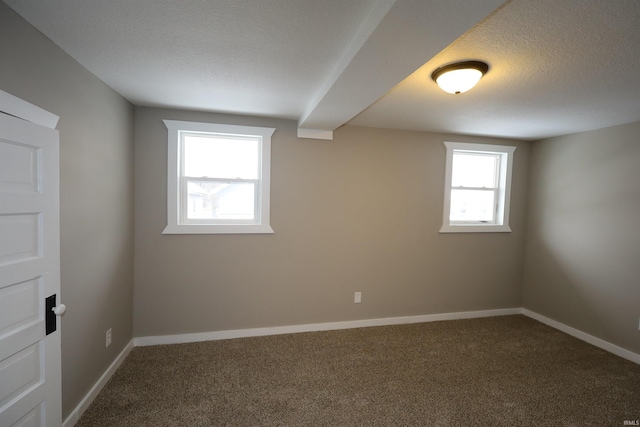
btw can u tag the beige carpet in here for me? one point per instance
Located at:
(501, 371)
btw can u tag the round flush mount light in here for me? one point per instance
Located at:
(459, 77)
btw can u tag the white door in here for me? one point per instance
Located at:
(30, 391)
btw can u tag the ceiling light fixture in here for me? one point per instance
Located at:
(459, 77)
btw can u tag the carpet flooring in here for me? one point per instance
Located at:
(500, 371)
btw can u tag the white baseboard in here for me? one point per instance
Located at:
(258, 332)
(75, 415)
(605, 345)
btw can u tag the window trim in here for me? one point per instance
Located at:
(504, 189)
(174, 179)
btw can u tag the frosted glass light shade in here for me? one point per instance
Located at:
(459, 78)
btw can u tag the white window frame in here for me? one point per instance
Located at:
(175, 225)
(503, 199)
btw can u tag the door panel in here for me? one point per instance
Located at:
(20, 238)
(30, 392)
(21, 175)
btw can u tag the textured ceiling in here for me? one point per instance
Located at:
(556, 66)
(240, 56)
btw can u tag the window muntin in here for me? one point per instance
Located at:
(477, 187)
(218, 178)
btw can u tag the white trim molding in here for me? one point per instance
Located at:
(176, 195)
(259, 332)
(503, 189)
(84, 404)
(22, 109)
(600, 343)
(315, 327)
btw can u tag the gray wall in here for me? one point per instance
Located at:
(96, 191)
(583, 245)
(360, 213)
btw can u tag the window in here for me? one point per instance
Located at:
(477, 188)
(218, 178)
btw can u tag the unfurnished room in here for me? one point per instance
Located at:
(319, 213)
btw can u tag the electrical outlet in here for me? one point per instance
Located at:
(108, 337)
(357, 297)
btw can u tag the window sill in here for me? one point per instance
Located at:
(475, 228)
(217, 229)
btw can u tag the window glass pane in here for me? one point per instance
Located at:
(474, 170)
(220, 200)
(472, 205)
(221, 157)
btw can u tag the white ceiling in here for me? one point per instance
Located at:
(556, 66)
